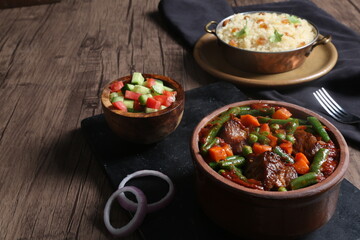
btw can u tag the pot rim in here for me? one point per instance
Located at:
(331, 181)
(180, 97)
(219, 25)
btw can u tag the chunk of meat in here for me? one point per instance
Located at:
(270, 170)
(234, 133)
(306, 143)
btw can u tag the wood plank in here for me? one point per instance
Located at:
(54, 61)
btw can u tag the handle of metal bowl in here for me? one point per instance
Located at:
(207, 27)
(321, 41)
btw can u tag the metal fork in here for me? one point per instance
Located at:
(333, 108)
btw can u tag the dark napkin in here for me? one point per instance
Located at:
(187, 19)
(183, 218)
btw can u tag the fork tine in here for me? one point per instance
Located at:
(325, 105)
(331, 104)
(341, 110)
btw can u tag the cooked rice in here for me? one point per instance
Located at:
(256, 31)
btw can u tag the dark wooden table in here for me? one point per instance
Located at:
(54, 61)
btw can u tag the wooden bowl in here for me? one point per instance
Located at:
(144, 128)
(257, 214)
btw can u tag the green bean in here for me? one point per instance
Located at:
(244, 108)
(305, 180)
(292, 126)
(280, 136)
(206, 147)
(286, 157)
(225, 116)
(259, 112)
(318, 127)
(246, 150)
(319, 158)
(235, 160)
(238, 172)
(217, 123)
(290, 138)
(273, 120)
(300, 121)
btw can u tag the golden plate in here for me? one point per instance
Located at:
(208, 55)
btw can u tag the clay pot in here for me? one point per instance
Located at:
(257, 214)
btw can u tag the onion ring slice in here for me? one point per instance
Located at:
(132, 206)
(137, 219)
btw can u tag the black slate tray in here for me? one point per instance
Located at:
(183, 218)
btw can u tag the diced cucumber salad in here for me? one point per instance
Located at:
(141, 94)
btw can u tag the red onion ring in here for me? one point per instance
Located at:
(136, 221)
(132, 206)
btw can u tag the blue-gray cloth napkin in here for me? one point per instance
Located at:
(186, 20)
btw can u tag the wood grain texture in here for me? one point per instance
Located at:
(54, 61)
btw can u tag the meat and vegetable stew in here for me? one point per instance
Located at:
(264, 147)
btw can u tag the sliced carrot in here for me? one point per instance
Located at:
(265, 128)
(259, 148)
(281, 113)
(300, 156)
(287, 147)
(249, 120)
(227, 149)
(301, 167)
(217, 153)
(273, 140)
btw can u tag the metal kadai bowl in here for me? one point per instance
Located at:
(255, 214)
(265, 62)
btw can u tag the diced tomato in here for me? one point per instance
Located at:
(150, 82)
(132, 95)
(116, 86)
(120, 105)
(152, 103)
(165, 100)
(137, 106)
(170, 93)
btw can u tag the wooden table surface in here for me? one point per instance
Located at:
(54, 61)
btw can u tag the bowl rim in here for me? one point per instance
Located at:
(335, 178)
(180, 97)
(219, 25)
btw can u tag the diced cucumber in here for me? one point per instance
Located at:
(137, 78)
(129, 86)
(169, 89)
(162, 107)
(113, 95)
(150, 110)
(159, 82)
(143, 98)
(158, 89)
(141, 89)
(117, 99)
(129, 104)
